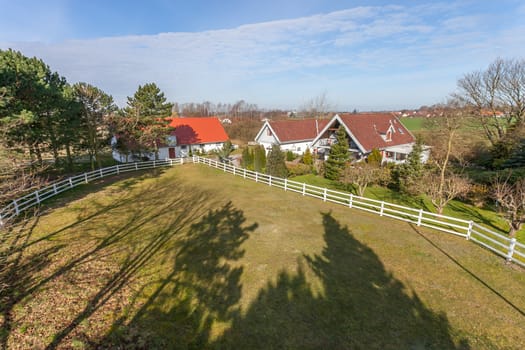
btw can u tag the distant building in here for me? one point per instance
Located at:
(189, 135)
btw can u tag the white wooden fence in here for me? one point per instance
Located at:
(496, 242)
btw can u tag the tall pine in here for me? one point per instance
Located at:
(275, 164)
(338, 157)
(148, 110)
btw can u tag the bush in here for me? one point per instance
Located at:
(296, 169)
(290, 156)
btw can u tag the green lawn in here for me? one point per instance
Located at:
(191, 257)
(455, 208)
(413, 123)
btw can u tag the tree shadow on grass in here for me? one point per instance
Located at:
(202, 288)
(362, 306)
(25, 272)
(474, 214)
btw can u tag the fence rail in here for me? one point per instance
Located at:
(500, 244)
(32, 199)
(509, 248)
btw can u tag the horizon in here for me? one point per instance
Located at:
(369, 56)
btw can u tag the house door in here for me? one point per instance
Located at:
(171, 152)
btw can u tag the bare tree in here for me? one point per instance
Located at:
(442, 185)
(361, 176)
(317, 106)
(441, 190)
(511, 200)
(497, 96)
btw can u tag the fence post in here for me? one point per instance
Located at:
(17, 211)
(171, 162)
(382, 208)
(304, 188)
(324, 195)
(70, 183)
(244, 174)
(511, 249)
(154, 163)
(55, 188)
(285, 184)
(351, 200)
(85, 178)
(37, 195)
(256, 176)
(224, 167)
(233, 171)
(269, 180)
(182, 160)
(100, 171)
(469, 229)
(136, 166)
(420, 217)
(118, 170)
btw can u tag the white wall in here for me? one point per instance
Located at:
(297, 148)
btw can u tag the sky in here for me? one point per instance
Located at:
(365, 55)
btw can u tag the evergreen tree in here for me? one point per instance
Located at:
(374, 158)
(407, 175)
(247, 158)
(275, 165)
(307, 157)
(96, 105)
(259, 158)
(338, 157)
(148, 111)
(517, 158)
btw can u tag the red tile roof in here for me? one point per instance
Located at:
(297, 130)
(368, 127)
(192, 131)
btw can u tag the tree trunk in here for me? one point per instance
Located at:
(69, 157)
(515, 226)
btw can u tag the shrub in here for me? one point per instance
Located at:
(296, 169)
(290, 156)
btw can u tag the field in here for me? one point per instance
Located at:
(190, 257)
(413, 123)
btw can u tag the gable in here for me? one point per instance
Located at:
(377, 130)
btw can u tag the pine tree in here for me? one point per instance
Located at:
(247, 158)
(275, 165)
(307, 157)
(374, 158)
(338, 157)
(409, 173)
(259, 158)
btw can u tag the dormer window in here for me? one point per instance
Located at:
(388, 136)
(268, 132)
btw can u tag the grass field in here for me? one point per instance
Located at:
(191, 257)
(413, 123)
(455, 208)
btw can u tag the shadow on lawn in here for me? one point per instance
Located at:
(203, 287)
(362, 306)
(24, 273)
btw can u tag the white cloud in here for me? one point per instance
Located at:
(324, 51)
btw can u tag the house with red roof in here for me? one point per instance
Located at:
(290, 135)
(368, 131)
(189, 135)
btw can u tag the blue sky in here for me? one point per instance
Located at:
(369, 55)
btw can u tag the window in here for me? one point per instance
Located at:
(268, 132)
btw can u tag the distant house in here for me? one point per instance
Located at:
(290, 135)
(368, 131)
(189, 135)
